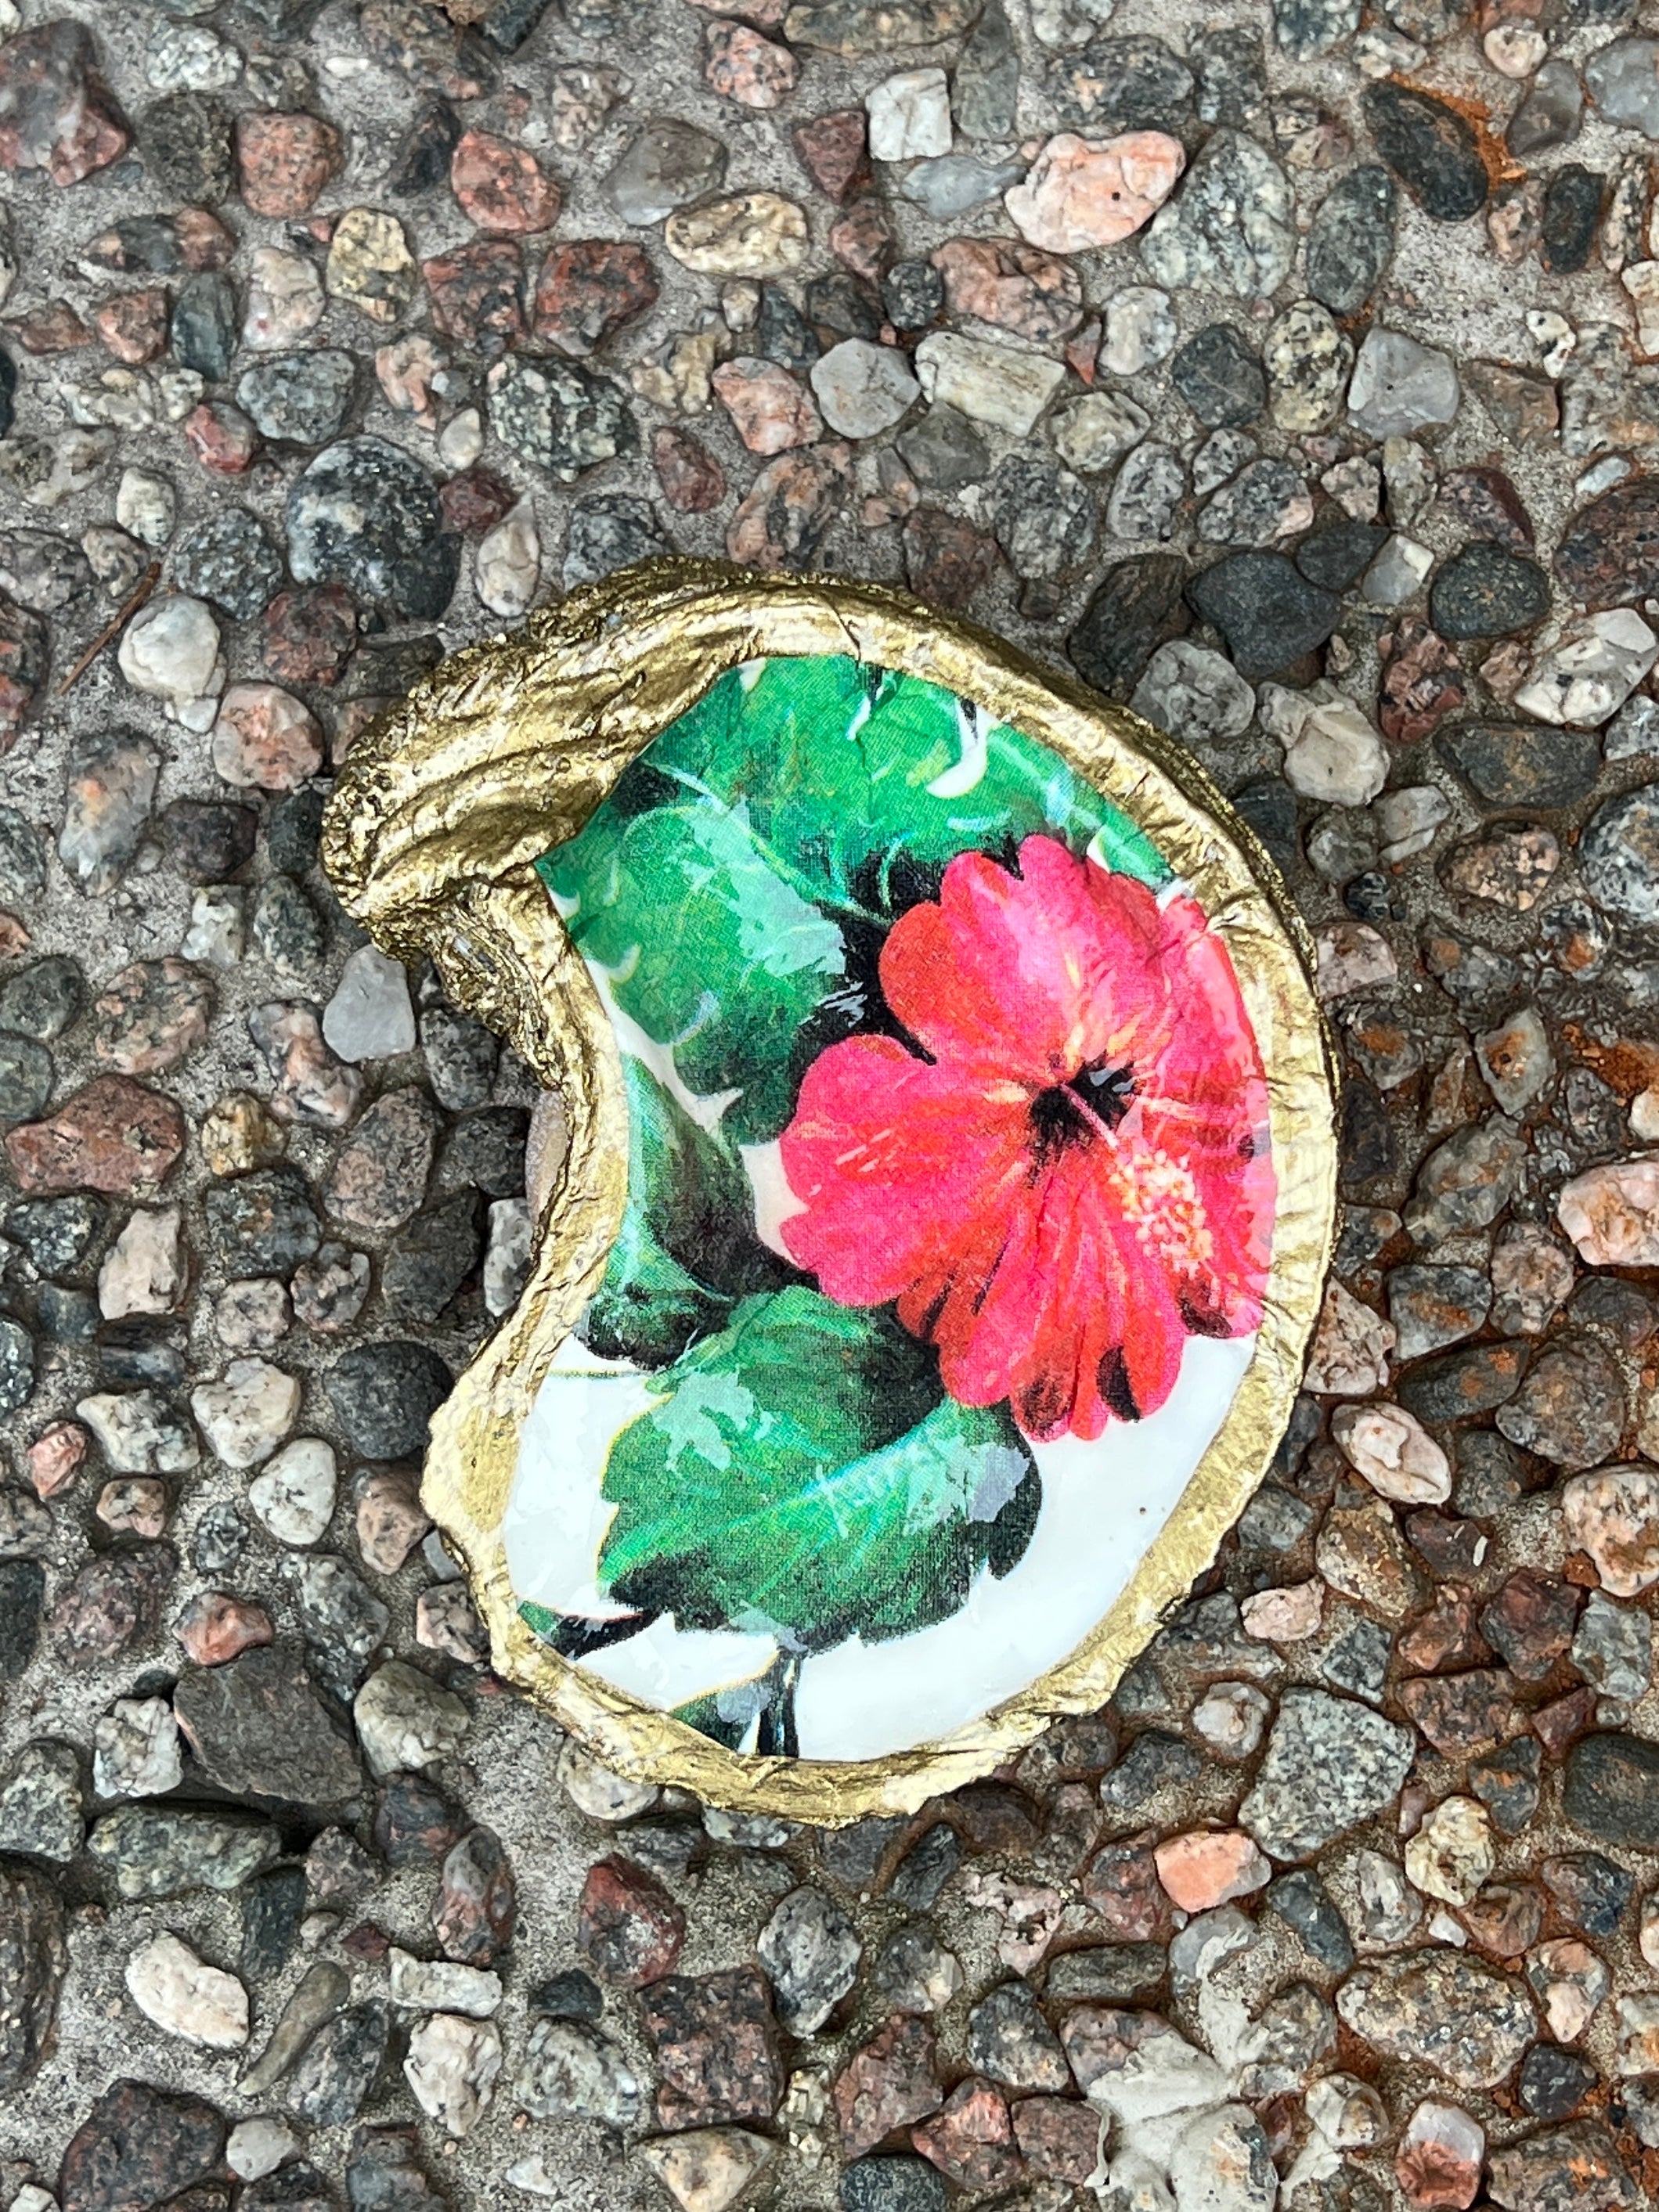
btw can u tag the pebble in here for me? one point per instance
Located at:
(405, 1721)
(743, 66)
(293, 1495)
(229, 560)
(571, 2070)
(369, 1016)
(1218, 376)
(501, 188)
(1138, 330)
(909, 116)
(1150, 486)
(370, 263)
(1194, 691)
(162, 1851)
(1430, 147)
(366, 514)
(283, 301)
(1399, 385)
(186, 1997)
(1330, 1763)
(113, 1135)
(1268, 612)
(171, 650)
(383, 1394)
(771, 412)
(285, 161)
(56, 112)
(754, 234)
(557, 415)
(137, 2144)
(587, 291)
(1622, 78)
(1619, 855)
(1458, 2016)
(246, 1415)
(136, 1749)
(453, 2064)
(1230, 227)
(265, 738)
(1082, 193)
(301, 398)
(1585, 678)
(863, 389)
(810, 1951)
(667, 165)
(986, 381)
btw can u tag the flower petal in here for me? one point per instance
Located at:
(892, 1158)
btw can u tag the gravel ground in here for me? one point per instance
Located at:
(1284, 376)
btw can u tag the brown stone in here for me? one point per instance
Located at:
(285, 161)
(772, 411)
(971, 2141)
(391, 1519)
(152, 1016)
(55, 328)
(1361, 1552)
(24, 649)
(1571, 1409)
(716, 2047)
(1505, 1918)
(1122, 1888)
(1445, 1636)
(114, 1604)
(692, 480)
(475, 295)
(55, 1457)
(1511, 868)
(946, 560)
(628, 1929)
(889, 2083)
(113, 1135)
(1421, 683)
(380, 1177)
(476, 1910)
(589, 288)
(56, 112)
(215, 1627)
(1059, 2138)
(1530, 1622)
(834, 151)
(1577, 2168)
(742, 66)
(133, 326)
(501, 188)
(783, 520)
(1522, 402)
(474, 501)
(138, 2146)
(1016, 288)
(863, 239)
(222, 438)
(1609, 552)
(309, 633)
(1486, 502)
(1463, 1713)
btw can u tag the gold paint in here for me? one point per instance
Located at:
(506, 750)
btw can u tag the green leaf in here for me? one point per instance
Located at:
(687, 1249)
(710, 946)
(802, 1478)
(834, 763)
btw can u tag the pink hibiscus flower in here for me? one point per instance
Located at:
(1076, 1178)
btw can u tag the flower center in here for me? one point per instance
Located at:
(1094, 1101)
